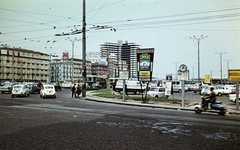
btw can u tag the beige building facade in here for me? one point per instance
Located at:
(23, 65)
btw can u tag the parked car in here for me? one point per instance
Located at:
(96, 86)
(224, 89)
(178, 88)
(56, 85)
(20, 90)
(232, 97)
(34, 88)
(67, 85)
(48, 91)
(7, 87)
(206, 90)
(157, 92)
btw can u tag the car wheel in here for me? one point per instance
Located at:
(12, 95)
(219, 94)
(2, 92)
(221, 113)
(198, 110)
(179, 91)
(156, 96)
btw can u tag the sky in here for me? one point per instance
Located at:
(165, 25)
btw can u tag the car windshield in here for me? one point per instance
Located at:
(18, 86)
(6, 84)
(48, 87)
(154, 89)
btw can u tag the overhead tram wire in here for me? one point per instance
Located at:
(169, 16)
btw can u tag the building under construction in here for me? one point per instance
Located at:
(122, 52)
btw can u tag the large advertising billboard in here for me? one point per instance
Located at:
(145, 64)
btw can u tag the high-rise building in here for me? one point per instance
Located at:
(122, 52)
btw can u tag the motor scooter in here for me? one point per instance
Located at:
(215, 107)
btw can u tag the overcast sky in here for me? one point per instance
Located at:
(164, 25)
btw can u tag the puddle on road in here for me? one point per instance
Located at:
(173, 129)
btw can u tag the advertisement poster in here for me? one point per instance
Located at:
(145, 64)
(168, 88)
(207, 78)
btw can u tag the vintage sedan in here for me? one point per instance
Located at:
(48, 91)
(20, 90)
(7, 87)
(157, 92)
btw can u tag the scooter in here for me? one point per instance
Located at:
(216, 107)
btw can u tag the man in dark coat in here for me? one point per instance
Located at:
(212, 98)
(73, 90)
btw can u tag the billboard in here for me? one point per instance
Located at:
(234, 75)
(145, 64)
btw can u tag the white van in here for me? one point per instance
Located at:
(132, 86)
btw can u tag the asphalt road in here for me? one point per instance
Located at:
(69, 123)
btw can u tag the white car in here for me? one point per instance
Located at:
(206, 90)
(67, 85)
(232, 97)
(20, 90)
(157, 92)
(48, 91)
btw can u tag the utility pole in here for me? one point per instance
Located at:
(13, 65)
(220, 54)
(198, 40)
(84, 50)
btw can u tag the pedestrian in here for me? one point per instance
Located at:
(114, 88)
(78, 90)
(73, 90)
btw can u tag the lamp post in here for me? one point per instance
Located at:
(50, 72)
(220, 54)
(73, 41)
(198, 40)
(176, 69)
(193, 72)
(228, 65)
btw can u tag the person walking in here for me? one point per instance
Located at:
(114, 88)
(78, 90)
(73, 90)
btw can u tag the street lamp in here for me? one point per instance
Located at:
(193, 72)
(176, 69)
(220, 54)
(73, 41)
(198, 40)
(50, 72)
(228, 65)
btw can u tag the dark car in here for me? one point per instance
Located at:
(34, 88)
(96, 86)
(57, 86)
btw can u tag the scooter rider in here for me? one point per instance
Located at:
(212, 99)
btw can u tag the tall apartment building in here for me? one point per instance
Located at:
(122, 52)
(23, 65)
(64, 69)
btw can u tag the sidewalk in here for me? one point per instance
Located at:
(230, 109)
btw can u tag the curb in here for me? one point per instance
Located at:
(149, 105)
